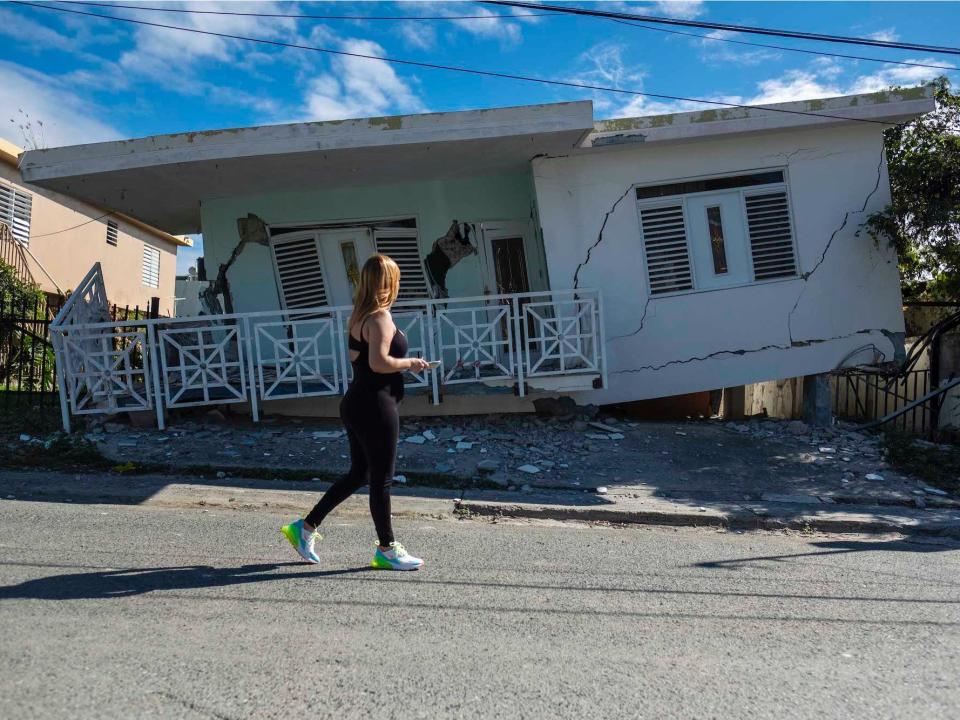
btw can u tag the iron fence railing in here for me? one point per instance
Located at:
(165, 363)
(865, 396)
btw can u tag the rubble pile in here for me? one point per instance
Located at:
(754, 459)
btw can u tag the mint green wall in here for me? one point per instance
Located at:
(435, 204)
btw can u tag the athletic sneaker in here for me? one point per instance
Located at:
(396, 558)
(302, 540)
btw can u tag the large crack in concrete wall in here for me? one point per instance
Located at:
(804, 278)
(250, 229)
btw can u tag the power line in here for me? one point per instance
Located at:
(455, 68)
(182, 10)
(57, 232)
(308, 17)
(570, 10)
(782, 47)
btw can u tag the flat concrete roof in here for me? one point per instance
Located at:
(880, 106)
(163, 179)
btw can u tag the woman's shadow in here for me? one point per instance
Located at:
(103, 584)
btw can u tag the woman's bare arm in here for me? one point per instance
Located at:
(379, 329)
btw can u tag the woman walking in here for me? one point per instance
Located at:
(369, 413)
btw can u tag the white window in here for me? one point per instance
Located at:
(403, 246)
(111, 233)
(151, 267)
(15, 210)
(297, 259)
(719, 232)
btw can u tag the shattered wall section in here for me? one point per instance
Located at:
(843, 307)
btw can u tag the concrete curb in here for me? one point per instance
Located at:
(254, 494)
(784, 517)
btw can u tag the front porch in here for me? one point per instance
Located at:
(522, 343)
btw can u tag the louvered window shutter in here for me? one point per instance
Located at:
(299, 272)
(405, 251)
(771, 237)
(15, 210)
(665, 248)
(111, 233)
(150, 272)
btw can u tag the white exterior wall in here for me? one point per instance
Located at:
(705, 340)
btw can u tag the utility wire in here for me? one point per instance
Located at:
(495, 17)
(309, 17)
(782, 47)
(459, 69)
(571, 10)
(58, 232)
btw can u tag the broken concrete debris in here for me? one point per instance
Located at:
(328, 434)
(488, 466)
(746, 458)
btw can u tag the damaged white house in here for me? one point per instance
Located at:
(542, 253)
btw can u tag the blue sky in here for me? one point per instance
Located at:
(88, 79)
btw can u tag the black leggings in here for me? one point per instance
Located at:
(373, 429)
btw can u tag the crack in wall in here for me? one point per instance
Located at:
(251, 229)
(747, 351)
(805, 277)
(606, 218)
(643, 320)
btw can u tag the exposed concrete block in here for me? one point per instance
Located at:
(735, 403)
(817, 410)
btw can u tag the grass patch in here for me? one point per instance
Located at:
(938, 467)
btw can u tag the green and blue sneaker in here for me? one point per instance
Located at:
(396, 558)
(302, 540)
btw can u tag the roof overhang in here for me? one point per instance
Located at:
(163, 179)
(882, 107)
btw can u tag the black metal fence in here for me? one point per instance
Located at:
(864, 396)
(27, 364)
(28, 371)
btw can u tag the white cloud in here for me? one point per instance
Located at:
(358, 87)
(495, 24)
(685, 9)
(603, 64)
(67, 117)
(155, 48)
(887, 35)
(714, 50)
(419, 35)
(495, 28)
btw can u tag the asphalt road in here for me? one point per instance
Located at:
(134, 612)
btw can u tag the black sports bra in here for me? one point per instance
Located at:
(364, 378)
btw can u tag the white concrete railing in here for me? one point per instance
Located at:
(164, 363)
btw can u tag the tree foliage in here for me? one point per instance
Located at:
(923, 219)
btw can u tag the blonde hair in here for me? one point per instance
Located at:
(378, 288)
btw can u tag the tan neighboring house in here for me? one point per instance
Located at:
(64, 237)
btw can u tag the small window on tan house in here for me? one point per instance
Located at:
(150, 273)
(111, 233)
(15, 209)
